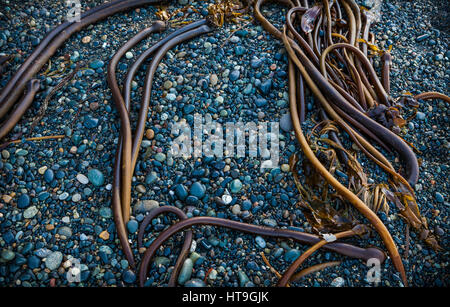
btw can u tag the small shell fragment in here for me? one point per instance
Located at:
(329, 237)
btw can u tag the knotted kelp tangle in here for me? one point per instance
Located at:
(352, 99)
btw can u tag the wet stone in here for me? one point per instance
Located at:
(53, 261)
(195, 283)
(198, 190)
(96, 177)
(145, 206)
(30, 212)
(286, 122)
(23, 201)
(292, 255)
(186, 271)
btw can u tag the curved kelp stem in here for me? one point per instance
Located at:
(33, 87)
(342, 248)
(46, 49)
(122, 187)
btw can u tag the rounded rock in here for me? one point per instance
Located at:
(96, 177)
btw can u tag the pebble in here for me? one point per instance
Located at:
(53, 261)
(82, 179)
(86, 40)
(234, 75)
(30, 212)
(338, 282)
(104, 235)
(171, 97)
(150, 134)
(145, 206)
(129, 277)
(213, 79)
(194, 283)
(8, 255)
(5, 154)
(96, 64)
(236, 209)
(286, 122)
(260, 241)
(235, 186)
(292, 255)
(285, 167)
(132, 226)
(167, 84)
(243, 278)
(439, 231)
(186, 271)
(439, 197)
(65, 231)
(266, 86)
(198, 190)
(96, 177)
(420, 115)
(23, 201)
(105, 212)
(161, 157)
(181, 192)
(129, 55)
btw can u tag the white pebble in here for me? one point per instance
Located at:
(82, 179)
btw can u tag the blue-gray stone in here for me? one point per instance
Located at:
(34, 262)
(420, 115)
(132, 226)
(129, 277)
(53, 261)
(96, 177)
(260, 241)
(189, 108)
(248, 89)
(286, 122)
(42, 252)
(186, 271)
(30, 212)
(150, 178)
(266, 86)
(197, 189)
(49, 175)
(105, 212)
(243, 278)
(160, 157)
(65, 231)
(260, 102)
(194, 283)
(171, 97)
(192, 200)
(235, 186)
(90, 122)
(439, 57)
(439, 197)
(422, 37)
(255, 63)
(239, 50)
(234, 75)
(23, 201)
(96, 64)
(181, 192)
(292, 255)
(8, 255)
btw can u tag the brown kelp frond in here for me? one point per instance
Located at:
(166, 16)
(407, 205)
(226, 10)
